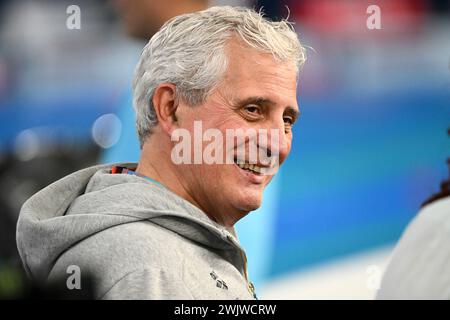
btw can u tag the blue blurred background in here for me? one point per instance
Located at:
(369, 148)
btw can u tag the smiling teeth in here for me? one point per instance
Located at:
(251, 167)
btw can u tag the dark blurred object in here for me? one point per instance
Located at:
(445, 185)
(275, 10)
(440, 6)
(14, 285)
(19, 180)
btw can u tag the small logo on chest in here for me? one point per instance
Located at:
(219, 283)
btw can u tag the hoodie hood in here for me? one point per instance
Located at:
(91, 200)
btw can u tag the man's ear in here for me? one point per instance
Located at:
(165, 103)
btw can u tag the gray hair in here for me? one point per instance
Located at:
(188, 51)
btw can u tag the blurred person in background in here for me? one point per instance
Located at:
(155, 229)
(143, 18)
(420, 263)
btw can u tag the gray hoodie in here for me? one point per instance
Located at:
(134, 238)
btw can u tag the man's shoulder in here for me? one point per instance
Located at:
(124, 248)
(133, 242)
(120, 251)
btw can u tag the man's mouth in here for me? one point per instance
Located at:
(250, 167)
(256, 168)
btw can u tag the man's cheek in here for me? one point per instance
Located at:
(285, 153)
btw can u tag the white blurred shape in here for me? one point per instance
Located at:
(420, 263)
(27, 145)
(346, 278)
(106, 130)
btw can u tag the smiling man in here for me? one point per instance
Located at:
(163, 229)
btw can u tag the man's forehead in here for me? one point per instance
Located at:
(243, 56)
(253, 76)
(261, 73)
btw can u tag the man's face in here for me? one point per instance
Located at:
(257, 92)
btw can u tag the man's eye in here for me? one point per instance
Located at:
(288, 120)
(254, 109)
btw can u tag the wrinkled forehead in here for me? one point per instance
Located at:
(252, 73)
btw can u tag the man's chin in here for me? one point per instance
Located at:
(250, 204)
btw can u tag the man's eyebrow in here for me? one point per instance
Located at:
(255, 100)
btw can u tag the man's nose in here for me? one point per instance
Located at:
(276, 144)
